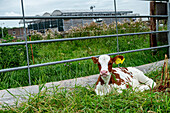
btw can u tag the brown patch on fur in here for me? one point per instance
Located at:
(127, 86)
(125, 70)
(110, 63)
(112, 80)
(128, 79)
(95, 60)
(118, 81)
(99, 80)
(99, 66)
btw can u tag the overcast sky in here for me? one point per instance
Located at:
(38, 7)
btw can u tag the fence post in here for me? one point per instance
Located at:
(157, 28)
(25, 35)
(82, 22)
(168, 26)
(72, 22)
(153, 41)
(116, 26)
(44, 26)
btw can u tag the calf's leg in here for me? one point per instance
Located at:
(139, 76)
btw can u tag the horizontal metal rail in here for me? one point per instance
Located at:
(77, 17)
(78, 59)
(80, 38)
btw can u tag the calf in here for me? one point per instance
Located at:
(119, 78)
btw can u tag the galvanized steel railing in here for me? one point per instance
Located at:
(78, 38)
(77, 17)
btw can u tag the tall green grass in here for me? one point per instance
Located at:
(14, 56)
(84, 99)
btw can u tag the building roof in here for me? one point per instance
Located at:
(95, 13)
(79, 13)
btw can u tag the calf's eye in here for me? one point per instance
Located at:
(110, 63)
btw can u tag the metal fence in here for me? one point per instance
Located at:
(23, 17)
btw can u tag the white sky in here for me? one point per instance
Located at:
(38, 7)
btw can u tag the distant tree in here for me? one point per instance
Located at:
(5, 31)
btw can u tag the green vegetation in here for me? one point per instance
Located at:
(84, 99)
(5, 32)
(14, 56)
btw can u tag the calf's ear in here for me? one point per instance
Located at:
(118, 59)
(95, 60)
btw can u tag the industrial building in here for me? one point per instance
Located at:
(65, 24)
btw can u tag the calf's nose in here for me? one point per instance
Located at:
(103, 72)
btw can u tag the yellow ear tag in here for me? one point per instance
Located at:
(118, 61)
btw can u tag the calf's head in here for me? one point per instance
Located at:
(105, 63)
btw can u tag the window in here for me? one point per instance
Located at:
(14, 33)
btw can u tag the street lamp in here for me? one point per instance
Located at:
(2, 29)
(91, 8)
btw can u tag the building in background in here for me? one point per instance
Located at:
(65, 24)
(16, 32)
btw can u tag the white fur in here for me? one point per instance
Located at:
(104, 60)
